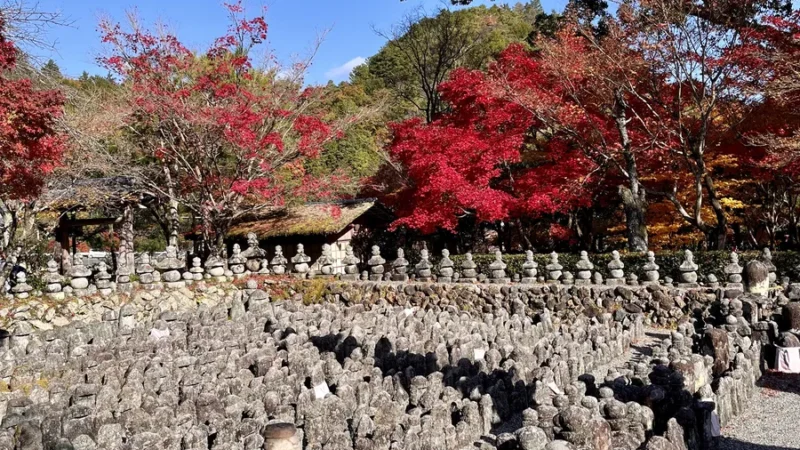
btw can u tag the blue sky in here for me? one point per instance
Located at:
(293, 27)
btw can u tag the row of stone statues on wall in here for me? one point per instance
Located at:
(171, 271)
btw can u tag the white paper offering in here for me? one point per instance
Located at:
(554, 387)
(159, 334)
(321, 390)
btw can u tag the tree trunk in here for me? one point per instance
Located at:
(633, 196)
(636, 227)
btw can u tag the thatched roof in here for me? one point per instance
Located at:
(91, 193)
(308, 219)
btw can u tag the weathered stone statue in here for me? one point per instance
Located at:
(446, 268)
(375, 264)
(278, 263)
(215, 268)
(597, 278)
(468, 272)
(253, 253)
(733, 270)
(323, 267)
(529, 268)
(282, 436)
(712, 281)
(688, 270)
(757, 277)
(53, 280)
(102, 279)
(400, 266)
(197, 269)
(633, 279)
(554, 269)
(236, 263)
(350, 262)
(22, 289)
(145, 272)
(423, 267)
(766, 258)
(584, 269)
(170, 268)
(300, 262)
(650, 269)
(616, 276)
(567, 278)
(498, 268)
(80, 276)
(263, 267)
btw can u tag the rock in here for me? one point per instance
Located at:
(532, 438)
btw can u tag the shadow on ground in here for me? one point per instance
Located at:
(726, 443)
(783, 382)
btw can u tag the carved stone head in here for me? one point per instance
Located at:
(252, 240)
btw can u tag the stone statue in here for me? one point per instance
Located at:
(529, 268)
(400, 266)
(80, 276)
(145, 272)
(766, 258)
(567, 278)
(584, 269)
(236, 263)
(253, 253)
(215, 268)
(53, 280)
(446, 268)
(498, 268)
(102, 279)
(350, 262)
(375, 263)
(21, 289)
(468, 272)
(616, 276)
(553, 269)
(324, 264)
(688, 270)
(300, 262)
(170, 268)
(651, 269)
(263, 267)
(734, 287)
(423, 267)
(278, 263)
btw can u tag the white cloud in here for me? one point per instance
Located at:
(344, 70)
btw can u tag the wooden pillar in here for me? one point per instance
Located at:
(62, 233)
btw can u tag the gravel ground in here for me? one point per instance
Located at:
(773, 420)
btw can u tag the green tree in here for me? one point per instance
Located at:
(51, 69)
(422, 50)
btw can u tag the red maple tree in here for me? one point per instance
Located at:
(641, 104)
(30, 143)
(218, 135)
